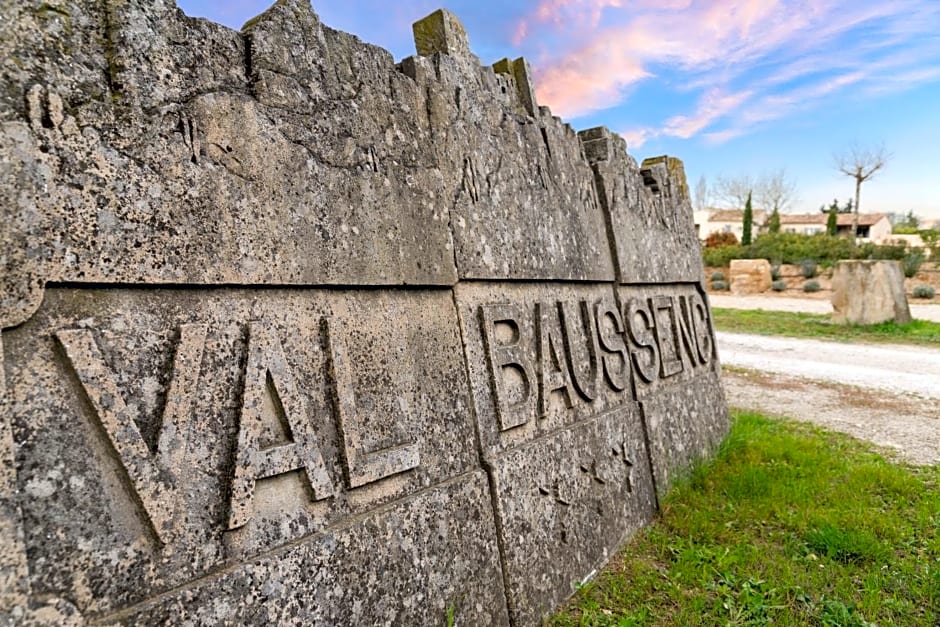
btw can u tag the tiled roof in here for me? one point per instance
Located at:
(737, 215)
(843, 219)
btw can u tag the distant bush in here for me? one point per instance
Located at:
(811, 286)
(912, 262)
(720, 239)
(718, 276)
(886, 251)
(809, 268)
(793, 248)
(719, 286)
(924, 291)
(779, 285)
(721, 257)
(775, 271)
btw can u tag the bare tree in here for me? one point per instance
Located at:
(861, 163)
(701, 194)
(775, 191)
(734, 190)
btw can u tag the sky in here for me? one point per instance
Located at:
(734, 88)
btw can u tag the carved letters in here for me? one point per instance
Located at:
(553, 366)
(267, 372)
(271, 393)
(508, 360)
(616, 366)
(668, 334)
(153, 477)
(362, 467)
(574, 348)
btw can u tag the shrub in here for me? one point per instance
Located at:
(924, 291)
(721, 257)
(811, 286)
(779, 285)
(718, 276)
(794, 247)
(720, 239)
(809, 268)
(719, 286)
(886, 251)
(912, 262)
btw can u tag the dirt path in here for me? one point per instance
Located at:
(888, 395)
(885, 367)
(908, 426)
(805, 305)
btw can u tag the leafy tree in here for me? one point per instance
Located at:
(908, 220)
(773, 224)
(931, 237)
(847, 208)
(748, 222)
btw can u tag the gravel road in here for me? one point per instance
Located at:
(890, 368)
(805, 305)
(885, 394)
(907, 426)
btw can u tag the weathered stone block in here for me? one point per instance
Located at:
(648, 211)
(676, 372)
(560, 430)
(684, 425)
(541, 358)
(441, 32)
(415, 562)
(869, 292)
(565, 503)
(521, 75)
(750, 276)
(163, 435)
(526, 213)
(202, 420)
(206, 169)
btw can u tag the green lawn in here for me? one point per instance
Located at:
(821, 327)
(788, 525)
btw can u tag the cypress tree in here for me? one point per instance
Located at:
(832, 222)
(773, 225)
(748, 222)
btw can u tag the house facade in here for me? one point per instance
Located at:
(872, 227)
(728, 221)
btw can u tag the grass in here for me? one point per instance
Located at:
(820, 326)
(788, 525)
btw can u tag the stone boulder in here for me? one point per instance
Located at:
(750, 276)
(869, 292)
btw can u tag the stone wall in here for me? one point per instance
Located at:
(295, 334)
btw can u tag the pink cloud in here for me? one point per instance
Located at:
(753, 60)
(559, 12)
(636, 137)
(702, 36)
(713, 105)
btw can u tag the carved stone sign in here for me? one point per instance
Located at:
(293, 334)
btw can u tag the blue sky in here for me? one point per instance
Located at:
(732, 87)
